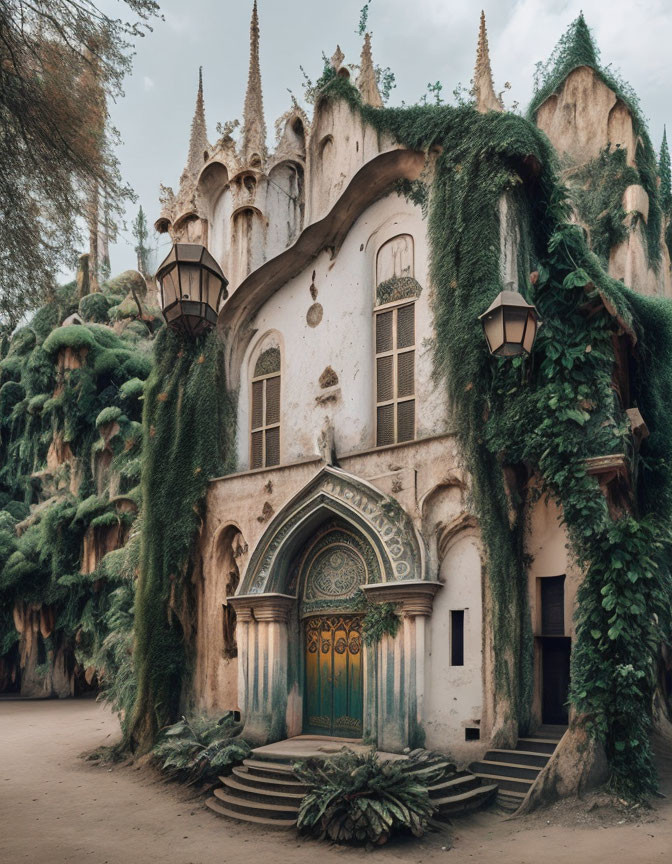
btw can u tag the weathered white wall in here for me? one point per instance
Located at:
(454, 694)
(344, 340)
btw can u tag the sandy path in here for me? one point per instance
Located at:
(55, 807)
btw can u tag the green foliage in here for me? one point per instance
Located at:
(665, 173)
(93, 307)
(187, 424)
(381, 619)
(359, 798)
(108, 415)
(597, 192)
(132, 389)
(74, 336)
(200, 748)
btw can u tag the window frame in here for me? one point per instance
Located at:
(265, 427)
(394, 307)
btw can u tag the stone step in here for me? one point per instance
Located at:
(505, 769)
(518, 757)
(509, 800)
(472, 799)
(257, 808)
(454, 785)
(270, 796)
(222, 810)
(509, 784)
(269, 769)
(257, 782)
(537, 745)
(550, 730)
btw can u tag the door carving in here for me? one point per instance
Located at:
(333, 693)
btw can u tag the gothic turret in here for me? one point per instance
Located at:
(254, 125)
(366, 82)
(484, 91)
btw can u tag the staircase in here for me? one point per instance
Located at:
(266, 792)
(514, 771)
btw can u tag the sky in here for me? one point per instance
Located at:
(422, 41)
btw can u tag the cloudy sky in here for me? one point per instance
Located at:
(422, 41)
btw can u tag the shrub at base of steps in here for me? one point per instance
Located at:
(198, 749)
(359, 798)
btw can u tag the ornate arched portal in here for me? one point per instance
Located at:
(334, 549)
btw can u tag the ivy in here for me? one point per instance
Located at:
(381, 619)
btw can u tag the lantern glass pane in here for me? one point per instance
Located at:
(530, 332)
(515, 319)
(211, 288)
(170, 287)
(190, 252)
(493, 325)
(190, 275)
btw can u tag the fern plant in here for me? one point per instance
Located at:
(359, 798)
(380, 619)
(200, 748)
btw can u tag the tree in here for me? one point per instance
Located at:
(665, 172)
(59, 60)
(142, 250)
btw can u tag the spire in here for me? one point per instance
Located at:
(254, 125)
(366, 82)
(484, 91)
(198, 141)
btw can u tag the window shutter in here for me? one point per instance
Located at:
(257, 404)
(384, 331)
(257, 457)
(553, 606)
(406, 326)
(272, 400)
(385, 425)
(406, 374)
(273, 446)
(406, 420)
(384, 378)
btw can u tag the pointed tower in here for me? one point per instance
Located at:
(366, 82)
(198, 141)
(484, 91)
(254, 125)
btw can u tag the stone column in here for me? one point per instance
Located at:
(262, 675)
(399, 675)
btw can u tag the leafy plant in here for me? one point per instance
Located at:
(381, 619)
(199, 748)
(359, 798)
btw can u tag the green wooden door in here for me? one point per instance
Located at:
(333, 692)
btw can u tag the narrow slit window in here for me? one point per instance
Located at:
(457, 637)
(265, 411)
(395, 375)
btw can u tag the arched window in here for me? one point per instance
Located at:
(265, 410)
(395, 374)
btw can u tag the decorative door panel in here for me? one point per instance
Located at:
(333, 692)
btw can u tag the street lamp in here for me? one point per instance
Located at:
(192, 287)
(510, 325)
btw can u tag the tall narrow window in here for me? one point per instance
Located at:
(265, 413)
(457, 637)
(553, 606)
(395, 375)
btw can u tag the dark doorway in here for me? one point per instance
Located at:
(555, 679)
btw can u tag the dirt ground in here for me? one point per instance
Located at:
(56, 807)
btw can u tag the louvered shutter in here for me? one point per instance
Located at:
(272, 401)
(384, 323)
(406, 420)
(406, 374)
(257, 448)
(385, 378)
(385, 425)
(257, 404)
(406, 326)
(273, 446)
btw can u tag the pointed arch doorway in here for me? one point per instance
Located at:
(333, 567)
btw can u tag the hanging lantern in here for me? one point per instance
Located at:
(192, 287)
(510, 325)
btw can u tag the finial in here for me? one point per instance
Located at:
(483, 90)
(198, 141)
(337, 59)
(366, 82)
(254, 125)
